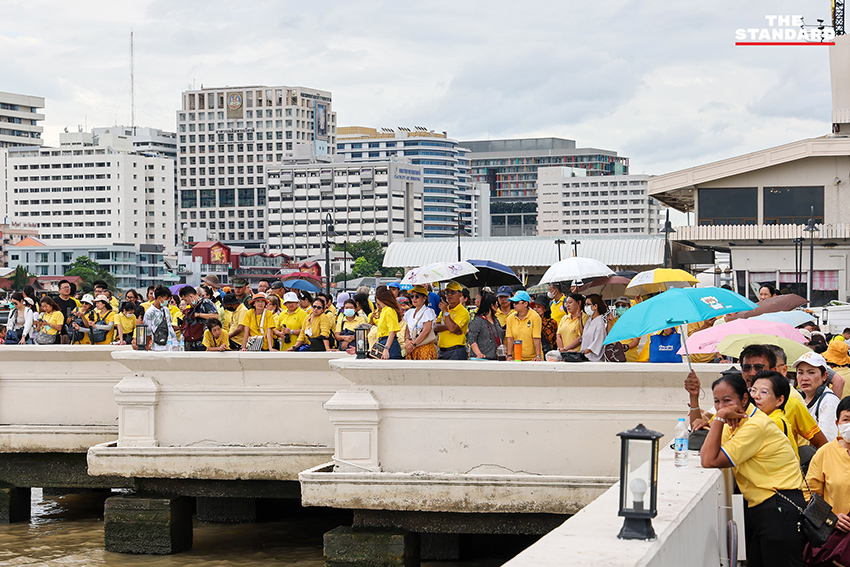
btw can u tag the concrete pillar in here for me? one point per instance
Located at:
(137, 398)
(355, 415)
(439, 547)
(155, 525)
(226, 510)
(14, 504)
(354, 547)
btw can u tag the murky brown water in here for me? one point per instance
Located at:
(68, 531)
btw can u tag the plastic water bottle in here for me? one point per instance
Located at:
(680, 444)
(181, 347)
(171, 346)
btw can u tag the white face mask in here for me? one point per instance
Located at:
(844, 431)
(588, 309)
(550, 294)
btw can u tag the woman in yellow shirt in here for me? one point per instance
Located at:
(347, 322)
(126, 321)
(257, 321)
(571, 327)
(49, 321)
(316, 330)
(102, 319)
(388, 323)
(214, 338)
(829, 469)
(770, 391)
(290, 320)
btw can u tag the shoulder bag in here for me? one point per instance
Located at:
(160, 334)
(817, 520)
(432, 336)
(98, 335)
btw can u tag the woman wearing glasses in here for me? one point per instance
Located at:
(769, 392)
(317, 328)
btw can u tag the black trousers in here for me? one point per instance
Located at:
(773, 536)
(453, 353)
(195, 346)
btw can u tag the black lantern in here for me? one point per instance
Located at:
(638, 482)
(361, 342)
(141, 337)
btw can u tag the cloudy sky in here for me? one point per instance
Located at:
(660, 82)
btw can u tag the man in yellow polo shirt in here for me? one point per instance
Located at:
(505, 308)
(525, 325)
(452, 324)
(557, 304)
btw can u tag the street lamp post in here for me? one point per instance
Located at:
(575, 244)
(810, 228)
(344, 265)
(559, 242)
(329, 233)
(667, 230)
(460, 232)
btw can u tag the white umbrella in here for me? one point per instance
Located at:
(576, 269)
(438, 272)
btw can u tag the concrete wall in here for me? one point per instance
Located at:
(488, 436)
(220, 415)
(691, 526)
(58, 398)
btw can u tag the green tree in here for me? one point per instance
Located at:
(368, 255)
(90, 271)
(21, 277)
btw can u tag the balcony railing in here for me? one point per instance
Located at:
(759, 232)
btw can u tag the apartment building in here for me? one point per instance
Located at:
(19, 120)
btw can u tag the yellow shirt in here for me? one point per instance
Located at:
(761, 456)
(318, 327)
(104, 320)
(236, 320)
(829, 476)
(460, 316)
(778, 417)
(571, 328)
(54, 318)
(126, 325)
(798, 417)
(526, 330)
(211, 342)
(502, 317)
(343, 324)
(259, 324)
(292, 321)
(558, 308)
(388, 322)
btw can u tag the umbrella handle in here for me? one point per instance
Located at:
(685, 344)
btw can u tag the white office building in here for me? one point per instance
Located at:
(95, 194)
(382, 199)
(227, 137)
(570, 202)
(143, 140)
(19, 118)
(445, 167)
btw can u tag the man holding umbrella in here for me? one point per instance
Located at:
(452, 324)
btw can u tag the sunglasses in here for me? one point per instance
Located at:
(749, 367)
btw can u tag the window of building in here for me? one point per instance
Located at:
(246, 198)
(728, 206)
(226, 198)
(792, 205)
(188, 199)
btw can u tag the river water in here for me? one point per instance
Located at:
(67, 531)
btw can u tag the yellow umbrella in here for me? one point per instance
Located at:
(659, 279)
(732, 345)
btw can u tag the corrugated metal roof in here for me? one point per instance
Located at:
(527, 252)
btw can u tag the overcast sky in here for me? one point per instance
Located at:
(660, 82)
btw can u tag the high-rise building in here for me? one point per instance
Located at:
(144, 140)
(227, 137)
(445, 169)
(569, 202)
(381, 199)
(19, 118)
(101, 195)
(510, 168)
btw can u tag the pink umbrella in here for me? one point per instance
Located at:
(705, 341)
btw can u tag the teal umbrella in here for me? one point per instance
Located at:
(675, 307)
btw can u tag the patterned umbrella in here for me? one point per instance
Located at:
(438, 272)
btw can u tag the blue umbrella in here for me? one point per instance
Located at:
(794, 318)
(302, 285)
(676, 307)
(489, 273)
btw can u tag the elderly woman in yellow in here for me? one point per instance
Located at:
(829, 472)
(257, 321)
(49, 322)
(289, 321)
(388, 323)
(770, 391)
(214, 338)
(766, 469)
(571, 327)
(316, 329)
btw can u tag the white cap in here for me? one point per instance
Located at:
(87, 298)
(811, 358)
(290, 296)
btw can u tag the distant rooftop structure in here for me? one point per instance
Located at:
(19, 118)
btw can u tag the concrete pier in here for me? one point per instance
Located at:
(224, 428)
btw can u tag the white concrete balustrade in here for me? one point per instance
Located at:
(220, 416)
(58, 398)
(488, 436)
(694, 508)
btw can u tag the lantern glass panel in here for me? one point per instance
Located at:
(637, 484)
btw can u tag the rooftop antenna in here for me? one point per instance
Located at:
(132, 83)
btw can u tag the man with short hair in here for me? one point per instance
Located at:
(556, 303)
(754, 359)
(505, 309)
(67, 303)
(846, 333)
(101, 288)
(278, 290)
(155, 314)
(525, 325)
(452, 324)
(234, 313)
(395, 288)
(199, 311)
(242, 291)
(263, 286)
